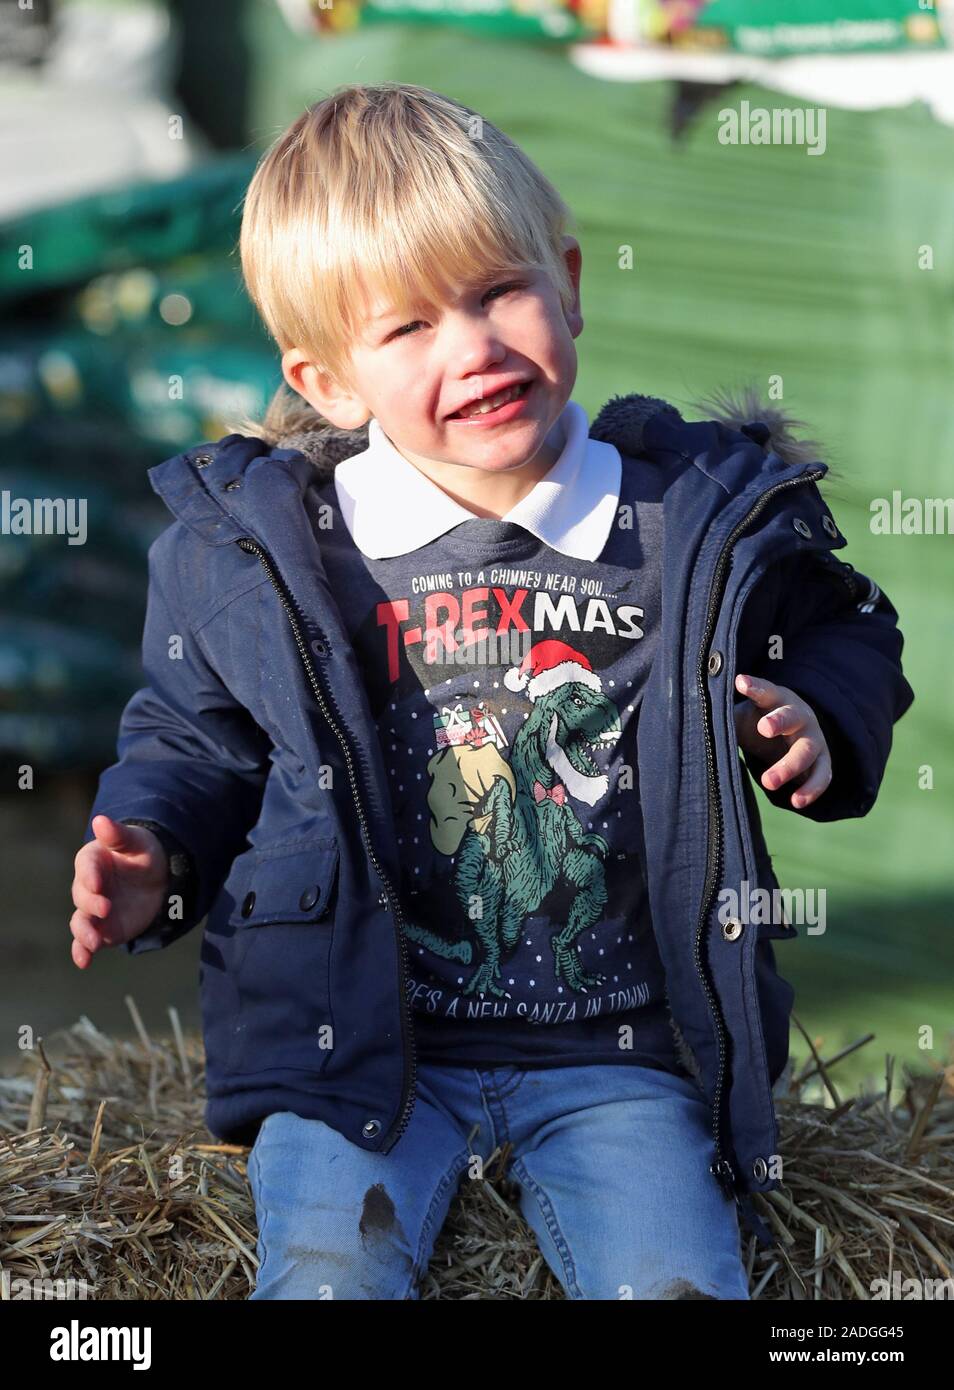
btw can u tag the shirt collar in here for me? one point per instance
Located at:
(391, 508)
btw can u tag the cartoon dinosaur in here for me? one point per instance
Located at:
(532, 840)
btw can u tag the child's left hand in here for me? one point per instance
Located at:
(775, 723)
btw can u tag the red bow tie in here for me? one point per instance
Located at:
(556, 793)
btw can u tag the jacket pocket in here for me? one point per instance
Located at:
(283, 926)
(778, 926)
(776, 998)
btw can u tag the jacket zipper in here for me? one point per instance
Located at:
(722, 1169)
(391, 898)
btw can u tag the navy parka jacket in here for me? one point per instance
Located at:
(252, 745)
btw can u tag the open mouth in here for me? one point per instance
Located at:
(492, 405)
(580, 746)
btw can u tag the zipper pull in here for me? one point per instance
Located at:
(721, 1170)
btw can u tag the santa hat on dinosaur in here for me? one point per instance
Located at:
(547, 666)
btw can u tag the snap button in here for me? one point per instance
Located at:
(230, 487)
(732, 929)
(760, 1170)
(248, 904)
(802, 527)
(308, 899)
(715, 663)
(371, 1129)
(318, 647)
(202, 460)
(829, 525)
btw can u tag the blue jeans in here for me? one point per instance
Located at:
(611, 1162)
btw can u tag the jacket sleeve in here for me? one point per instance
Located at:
(841, 652)
(191, 759)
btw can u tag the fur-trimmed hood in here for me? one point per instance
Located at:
(291, 423)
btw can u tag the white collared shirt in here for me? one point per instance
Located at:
(391, 508)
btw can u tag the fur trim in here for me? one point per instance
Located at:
(746, 406)
(291, 423)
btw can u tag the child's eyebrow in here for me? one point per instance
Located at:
(374, 320)
(388, 313)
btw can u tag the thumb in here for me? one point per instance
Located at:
(118, 837)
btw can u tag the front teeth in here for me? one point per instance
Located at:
(494, 402)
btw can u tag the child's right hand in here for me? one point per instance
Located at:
(119, 886)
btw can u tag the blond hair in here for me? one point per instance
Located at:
(391, 190)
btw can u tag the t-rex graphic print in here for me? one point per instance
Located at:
(525, 837)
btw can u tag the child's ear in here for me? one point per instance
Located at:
(573, 256)
(344, 409)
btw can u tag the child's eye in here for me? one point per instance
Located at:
(404, 330)
(514, 285)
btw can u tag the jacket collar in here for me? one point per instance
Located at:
(206, 487)
(571, 509)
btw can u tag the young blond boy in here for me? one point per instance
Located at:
(442, 732)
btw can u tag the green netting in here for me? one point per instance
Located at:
(141, 224)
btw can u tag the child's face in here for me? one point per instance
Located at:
(412, 376)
